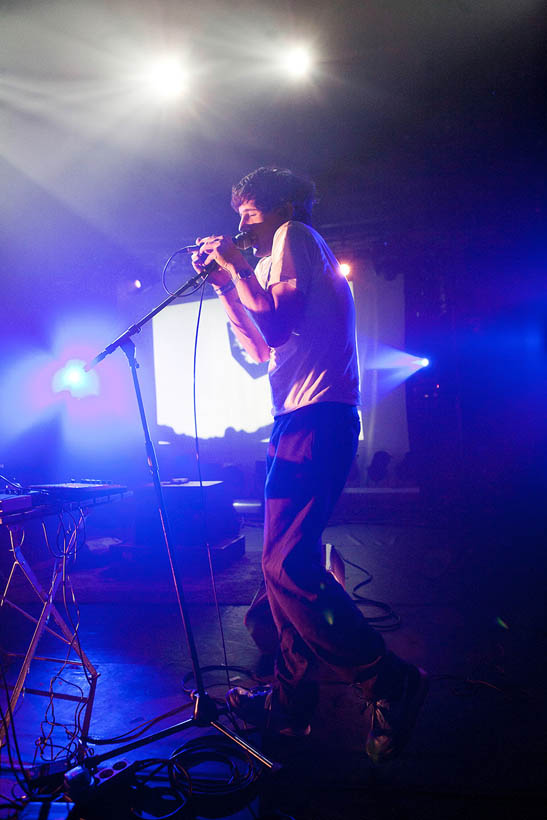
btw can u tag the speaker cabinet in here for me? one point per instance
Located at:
(196, 515)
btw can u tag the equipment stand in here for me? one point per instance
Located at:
(205, 709)
(65, 634)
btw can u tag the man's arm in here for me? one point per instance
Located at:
(275, 311)
(244, 327)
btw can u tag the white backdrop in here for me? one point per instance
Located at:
(227, 395)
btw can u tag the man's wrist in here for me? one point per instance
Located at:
(223, 289)
(242, 273)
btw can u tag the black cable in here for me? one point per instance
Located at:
(67, 544)
(175, 790)
(470, 686)
(243, 770)
(383, 623)
(164, 273)
(139, 730)
(366, 572)
(26, 788)
(357, 587)
(79, 527)
(217, 668)
(202, 495)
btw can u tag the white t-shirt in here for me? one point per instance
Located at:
(318, 362)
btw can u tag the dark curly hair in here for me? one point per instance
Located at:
(271, 187)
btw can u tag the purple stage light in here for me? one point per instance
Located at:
(96, 409)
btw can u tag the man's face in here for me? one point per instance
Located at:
(262, 225)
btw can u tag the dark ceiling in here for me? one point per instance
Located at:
(421, 116)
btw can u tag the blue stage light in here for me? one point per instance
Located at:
(73, 378)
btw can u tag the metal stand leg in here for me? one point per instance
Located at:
(66, 636)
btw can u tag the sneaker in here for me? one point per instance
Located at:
(393, 720)
(255, 706)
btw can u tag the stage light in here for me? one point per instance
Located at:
(166, 78)
(298, 62)
(73, 378)
(345, 269)
(424, 362)
(130, 288)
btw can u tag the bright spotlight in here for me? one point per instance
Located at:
(424, 362)
(345, 269)
(166, 78)
(298, 62)
(73, 378)
(137, 284)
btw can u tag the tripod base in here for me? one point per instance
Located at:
(77, 781)
(205, 715)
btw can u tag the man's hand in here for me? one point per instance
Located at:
(200, 259)
(219, 249)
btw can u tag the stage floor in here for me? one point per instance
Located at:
(470, 613)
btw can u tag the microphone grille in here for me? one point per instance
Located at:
(243, 240)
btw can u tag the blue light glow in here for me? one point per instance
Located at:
(75, 380)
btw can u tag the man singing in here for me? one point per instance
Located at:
(296, 311)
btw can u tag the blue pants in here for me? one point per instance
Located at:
(309, 457)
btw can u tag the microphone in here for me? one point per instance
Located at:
(242, 241)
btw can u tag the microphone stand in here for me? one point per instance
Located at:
(206, 711)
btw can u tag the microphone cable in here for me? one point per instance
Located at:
(199, 284)
(202, 494)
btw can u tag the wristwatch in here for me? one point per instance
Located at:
(244, 274)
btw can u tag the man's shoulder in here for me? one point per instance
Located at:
(293, 226)
(298, 235)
